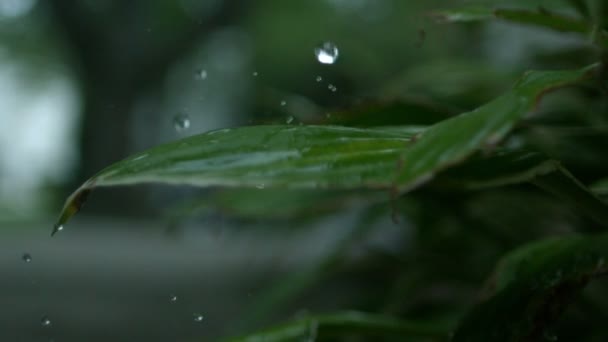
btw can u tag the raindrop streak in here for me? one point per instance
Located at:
(327, 53)
(26, 257)
(45, 321)
(319, 79)
(173, 298)
(283, 103)
(289, 120)
(260, 186)
(181, 122)
(200, 74)
(198, 317)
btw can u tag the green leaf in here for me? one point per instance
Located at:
(452, 140)
(326, 156)
(348, 324)
(507, 167)
(531, 286)
(540, 18)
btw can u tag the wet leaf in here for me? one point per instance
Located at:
(531, 286)
(348, 324)
(328, 156)
(454, 139)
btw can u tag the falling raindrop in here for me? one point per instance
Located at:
(260, 186)
(26, 257)
(283, 103)
(255, 74)
(332, 88)
(45, 321)
(200, 74)
(319, 79)
(181, 122)
(289, 119)
(198, 317)
(327, 53)
(173, 298)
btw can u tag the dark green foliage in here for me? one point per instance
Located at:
(497, 195)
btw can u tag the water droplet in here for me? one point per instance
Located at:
(327, 53)
(198, 317)
(255, 74)
(200, 74)
(173, 298)
(45, 321)
(289, 119)
(57, 228)
(332, 88)
(181, 122)
(260, 186)
(26, 257)
(319, 79)
(283, 103)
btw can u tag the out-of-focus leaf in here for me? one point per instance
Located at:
(399, 112)
(503, 167)
(292, 285)
(540, 18)
(517, 166)
(275, 204)
(532, 286)
(459, 83)
(580, 6)
(349, 324)
(600, 187)
(327, 156)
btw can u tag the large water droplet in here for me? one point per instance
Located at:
(327, 53)
(26, 257)
(173, 298)
(181, 122)
(45, 321)
(200, 74)
(198, 317)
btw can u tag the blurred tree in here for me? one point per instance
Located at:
(123, 50)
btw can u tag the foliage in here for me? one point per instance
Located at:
(479, 188)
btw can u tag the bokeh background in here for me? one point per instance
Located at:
(86, 83)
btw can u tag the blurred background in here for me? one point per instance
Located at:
(86, 83)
